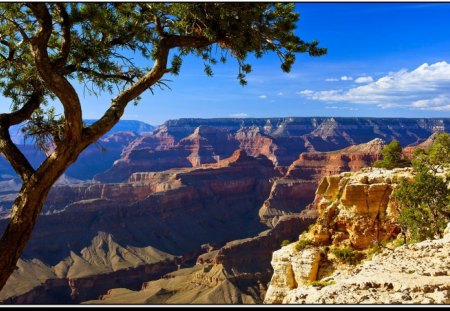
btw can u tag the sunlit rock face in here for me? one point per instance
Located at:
(192, 142)
(293, 192)
(355, 210)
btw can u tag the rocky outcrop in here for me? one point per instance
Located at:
(201, 284)
(354, 211)
(410, 274)
(355, 208)
(193, 142)
(293, 192)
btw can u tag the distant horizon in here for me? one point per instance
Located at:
(286, 117)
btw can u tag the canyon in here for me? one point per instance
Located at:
(191, 212)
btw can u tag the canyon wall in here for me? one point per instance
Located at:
(192, 142)
(175, 212)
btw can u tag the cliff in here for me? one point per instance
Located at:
(193, 142)
(293, 192)
(174, 211)
(86, 274)
(354, 213)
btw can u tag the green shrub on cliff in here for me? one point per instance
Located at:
(348, 255)
(285, 243)
(424, 202)
(302, 244)
(392, 157)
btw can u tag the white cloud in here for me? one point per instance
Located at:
(280, 94)
(440, 103)
(306, 92)
(263, 96)
(364, 79)
(343, 78)
(342, 108)
(239, 115)
(427, 88)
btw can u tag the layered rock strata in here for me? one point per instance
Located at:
(192, 142)
(175, 211)
(236, 273)
(293, 192)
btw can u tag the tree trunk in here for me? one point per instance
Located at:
(25, 211)
(28, 206)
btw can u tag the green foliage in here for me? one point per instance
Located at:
(98, 44)
(348, 255)
(398, 242)
(285, 243)
(392, 157)
(322, 283)
(302, 244)
(375, 249)
(424, 202)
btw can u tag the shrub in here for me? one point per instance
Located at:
(302, 244)
(323, 283)
(348, 255)
(424, 202)
(285, 243)
(392, 157)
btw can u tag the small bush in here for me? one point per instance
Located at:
(285, 243)
(322, 283)
(302, 244)
(348, 255)
(398, 242)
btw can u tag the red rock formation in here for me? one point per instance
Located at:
(292, 193)
(192, 142)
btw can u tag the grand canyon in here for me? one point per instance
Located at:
(196, 210)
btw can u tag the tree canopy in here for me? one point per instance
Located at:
(425, 201)
(46, 47)
(392, 156)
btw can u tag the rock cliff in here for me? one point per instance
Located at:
(293, 192)
(192, 142)
(354, 213)
(235, 273)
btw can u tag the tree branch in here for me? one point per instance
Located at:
(72, 68)
(56, 82)
(187, 41)
(65, 30)
(118, 105)
(14, 156)
(24, 113)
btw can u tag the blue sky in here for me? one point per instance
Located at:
(384, 60)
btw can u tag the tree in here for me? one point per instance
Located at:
(46, 47)
(425, 201)
(392, 156)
